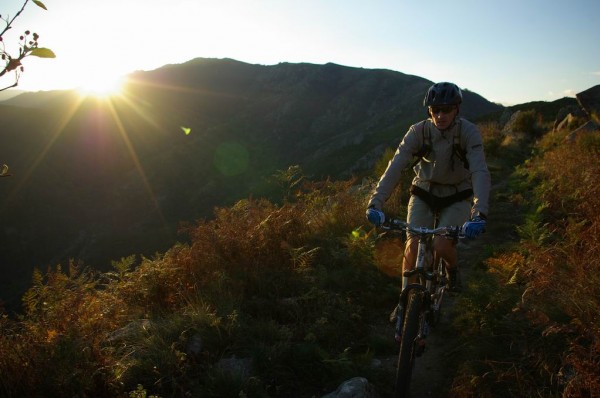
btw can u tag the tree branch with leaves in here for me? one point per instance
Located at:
(28, 46)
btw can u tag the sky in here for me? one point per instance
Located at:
(510, 51)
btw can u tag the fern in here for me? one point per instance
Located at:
(124, 265)
(31, 298)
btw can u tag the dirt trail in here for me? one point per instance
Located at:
(431, 376)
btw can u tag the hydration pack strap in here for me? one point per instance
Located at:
(437, 204)
(457, 149)
(426, 143)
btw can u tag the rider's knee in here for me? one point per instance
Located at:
(441, 243)
(446, 248)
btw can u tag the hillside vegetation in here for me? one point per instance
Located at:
(98, 180)
(283, 300)
(530, 316)
(291, 288)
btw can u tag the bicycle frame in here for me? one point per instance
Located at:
(425, 254)
(421, 300)
(429, 267)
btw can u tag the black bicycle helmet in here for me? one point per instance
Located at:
(443, 94)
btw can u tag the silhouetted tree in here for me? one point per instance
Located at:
(28, 46)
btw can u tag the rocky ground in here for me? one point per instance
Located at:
(431, 376)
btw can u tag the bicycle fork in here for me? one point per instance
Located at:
(397, 316)
(424, 257)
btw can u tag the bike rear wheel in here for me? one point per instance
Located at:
(408, 342)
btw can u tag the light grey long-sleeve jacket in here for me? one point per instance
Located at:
(440, 172)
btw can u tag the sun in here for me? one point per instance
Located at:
(101, 86)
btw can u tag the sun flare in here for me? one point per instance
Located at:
(101, 86)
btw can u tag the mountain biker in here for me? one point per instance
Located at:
(451, 179)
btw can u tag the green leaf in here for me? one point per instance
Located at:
(43, 52)
(186, 130)
(40, 4)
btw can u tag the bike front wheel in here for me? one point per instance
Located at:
(408, 343)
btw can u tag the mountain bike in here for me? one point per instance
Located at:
(420, 303)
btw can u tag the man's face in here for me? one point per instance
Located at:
(443, 115)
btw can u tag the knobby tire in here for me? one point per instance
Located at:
(410, 331)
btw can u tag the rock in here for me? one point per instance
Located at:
(564, 123)
(590, 102)
(505, 117)
(194, 346)
(572, 112)
(130, 330)
(358, 387)
(509, 125)
(242, 367)
(589, 127)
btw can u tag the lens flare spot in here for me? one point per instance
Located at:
(231, 158)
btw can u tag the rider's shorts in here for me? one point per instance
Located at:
(421, 215)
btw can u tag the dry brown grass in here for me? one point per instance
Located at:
(290, 286)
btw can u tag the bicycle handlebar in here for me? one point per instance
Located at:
(400, 225)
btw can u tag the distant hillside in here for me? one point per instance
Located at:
(96, 181)
(323, 117)
(7, 94)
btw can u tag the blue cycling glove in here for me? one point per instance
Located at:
(474, 227)
(375, 217)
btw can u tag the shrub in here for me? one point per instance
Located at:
(527, 122)
(492, 138)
